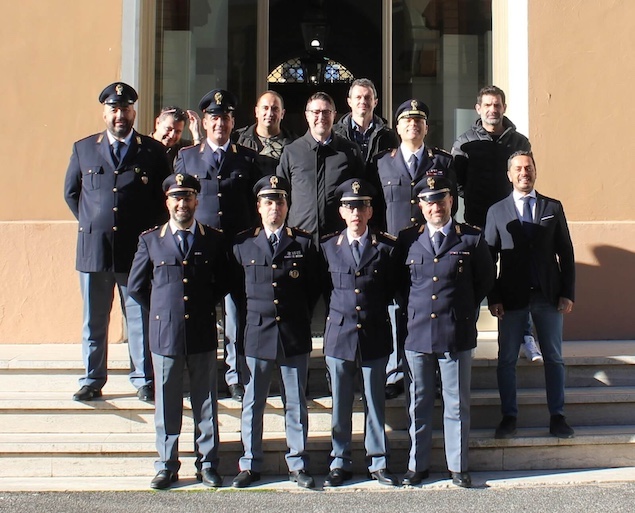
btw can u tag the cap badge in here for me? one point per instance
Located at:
(430, 182)
(119, 89)
(274, 181)
(355, 186)
(414, 105)
(218, 98)
(179, 179)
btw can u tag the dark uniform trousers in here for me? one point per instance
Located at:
(181, 294)
(399, 210)
(280, 289)
(439, 295)
(113, 205)
(357, 338)
(226, 202)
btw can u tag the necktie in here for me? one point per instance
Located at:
(184, 244)
(437, 240)
(218, 157)
(117, 146)
(273, 242)
(355, 250)
(414, 164)
(527, 217)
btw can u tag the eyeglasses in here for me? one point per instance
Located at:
(360, 208)
(326, 112)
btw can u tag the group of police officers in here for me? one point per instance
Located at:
(401, 279)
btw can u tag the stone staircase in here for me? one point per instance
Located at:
(43, 433)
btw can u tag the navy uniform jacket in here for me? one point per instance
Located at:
(548, 248)
(396, 208)
(181, 294)
(281, 291)
(226, 201)
(440, 294)
(114, 204)
(358, 323)
(313, 206)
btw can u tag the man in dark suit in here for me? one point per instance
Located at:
(179, 274)
(227, 173)
(529, 233)
(278, 269)
(113, 188)
(398, 171)
(446, 270)
(357, 339)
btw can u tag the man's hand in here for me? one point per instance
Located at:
(497, 310)
(194, 126)
(565, 305)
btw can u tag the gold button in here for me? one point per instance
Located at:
(359, 326)
(81, 229)
(412, 220)
(434, 296)
(157, 317)
(274, 266)
(412, 202)
(184, 280)
(187, 316)
(412, 261)
(185, 298)
(434, 278)
(220, 213)
(116, 172)
(219, 177)
(276, 301)
(114, 228)
(162, 262)
(435, 260)
(295, 264)
(357, 291)
(220, 194)
(358, 273)
(114, 189)
(358, 308)
(184, 262)
(115, 209)
(412, 184)
(274, 284)
(433, 316)
(253, 261)
(277, 318)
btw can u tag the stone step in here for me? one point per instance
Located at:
(133, 454)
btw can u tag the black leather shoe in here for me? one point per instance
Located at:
(506, 428)
(86, 393)
(394, 390)
(146, 393)
(461, 479)
(209, 477)
(237, 392)
(412, 477)
(303, 478)
(245, 478)
(337, 476)
(559, 427)
(164, 479)
(384, 477)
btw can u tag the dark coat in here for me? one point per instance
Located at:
(247, 137)
(359, 297)
(281, 290)
(548, 247)
(180, 294)
(313, 206)
(440, 295)
(396, 209)
(381, 138)
(226, 200)
(114, 204)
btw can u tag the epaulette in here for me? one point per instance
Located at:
(441, 151)
(328, 236)
(234, 149)
(150, 230)
(393, 152)
(467, 228)
(211, 228)
(202, 147)
(138, 140)
(100, 138)
(298, 231)
(164, 229)
(388, 236)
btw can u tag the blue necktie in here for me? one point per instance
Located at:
(184, 244)
(355, 249)
(437, 240)
(218, 157)
(527, 217)
(117, 146)
(414, 164)
(273, 242)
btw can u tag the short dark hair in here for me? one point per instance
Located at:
(176, 112)
(363, 82)
(320, 95)
(520, 153)
(491, 90)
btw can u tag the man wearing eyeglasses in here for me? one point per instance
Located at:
(168, 130)
(314, 165)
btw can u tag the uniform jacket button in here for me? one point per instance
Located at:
(433, 316)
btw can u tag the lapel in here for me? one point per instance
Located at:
(344, 251)
(369, 251)
(402, 165)
(451, 239)
(169, 243)
(262, 243)
(285, 240)
(133, 149)
(103, 147)
(207, 155)
(541, 205)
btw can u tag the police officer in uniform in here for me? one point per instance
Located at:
(227, 173)
(399, 170)
(278, 266)
(179, 275)
(113, 188)
(446, 271)
(357, 338)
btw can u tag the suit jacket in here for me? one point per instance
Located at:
(114, 204)
(358, 321)
(396, 209)
(180, 293)
(440, 294)
(546, 246)
(314, 171)
(226, 200)
(281, 290)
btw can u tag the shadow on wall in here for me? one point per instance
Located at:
(605, 297)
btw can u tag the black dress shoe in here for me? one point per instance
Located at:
(245, 478)
(506, 428)
(337, 476)
(384, 477)
(303, 478)
(394, 390)
(146, 393)
(86, 393)
(558, 427)
(412, 477)
(164, 479)
(461, 479)
(237, 392)
(209, 477)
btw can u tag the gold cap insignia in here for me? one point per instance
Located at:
(179, 179)
(430, 182)
(414, 105)
(355, 186)
(119, 89)
(218, 98)
(273, 181)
